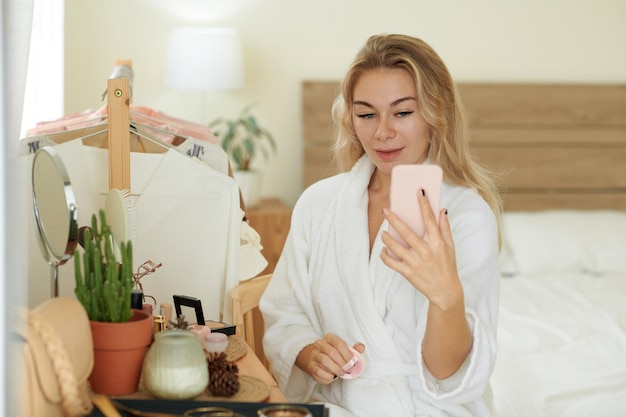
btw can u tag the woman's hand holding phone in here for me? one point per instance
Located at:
(428, 260)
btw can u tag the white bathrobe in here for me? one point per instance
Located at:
(327, 282)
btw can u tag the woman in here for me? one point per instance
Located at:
(423, 318)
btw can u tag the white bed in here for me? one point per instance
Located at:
(562, 322)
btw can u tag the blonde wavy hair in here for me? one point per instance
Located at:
(439, 103)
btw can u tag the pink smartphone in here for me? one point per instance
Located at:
(406, 181)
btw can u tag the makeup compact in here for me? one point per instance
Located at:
(354, 367)
(215, 342)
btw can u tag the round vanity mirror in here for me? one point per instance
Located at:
(55, 211)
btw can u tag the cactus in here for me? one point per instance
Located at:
(104, 285)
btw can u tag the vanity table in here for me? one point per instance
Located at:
(259, 384)
(249, 365)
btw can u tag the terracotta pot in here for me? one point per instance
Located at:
(119, 350)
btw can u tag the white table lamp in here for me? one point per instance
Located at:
(204, 59)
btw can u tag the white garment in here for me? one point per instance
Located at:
(326, 282)
(251, 260)
(188, 218)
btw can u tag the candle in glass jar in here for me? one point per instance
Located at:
(175, 366)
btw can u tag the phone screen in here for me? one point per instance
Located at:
(406, 181)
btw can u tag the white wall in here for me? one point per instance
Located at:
(287, 41)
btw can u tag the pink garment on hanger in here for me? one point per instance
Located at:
(141, 114)
(181, 127)
(67, 122)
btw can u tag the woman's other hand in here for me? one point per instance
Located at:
(326, 358)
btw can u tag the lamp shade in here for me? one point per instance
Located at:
(204, 58)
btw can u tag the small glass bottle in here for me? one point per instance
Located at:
(175, 367)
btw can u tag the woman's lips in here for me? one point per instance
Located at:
(388, 154)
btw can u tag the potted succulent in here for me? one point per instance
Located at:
(121, 335)
(244, 140)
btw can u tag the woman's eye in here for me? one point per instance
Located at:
(404, 113)
(365, 115)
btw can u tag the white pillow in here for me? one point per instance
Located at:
(566, 240)
(508, 268)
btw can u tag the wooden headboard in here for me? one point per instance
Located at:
(555, 146)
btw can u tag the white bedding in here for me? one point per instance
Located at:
(561, 347)
(561, 331)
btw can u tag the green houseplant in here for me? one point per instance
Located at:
(243, 139)
(121, 335)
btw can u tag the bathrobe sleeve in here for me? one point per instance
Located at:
(475, 233)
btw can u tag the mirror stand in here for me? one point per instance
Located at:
(55, 212)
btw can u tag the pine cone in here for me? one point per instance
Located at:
(180, 323)
(223, 375)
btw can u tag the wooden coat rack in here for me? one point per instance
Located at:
(118, 107)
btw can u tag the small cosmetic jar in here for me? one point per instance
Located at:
(215, 342)
(284, 411)
(354, 367)
(201, 332)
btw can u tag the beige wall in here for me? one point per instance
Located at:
(287, 41)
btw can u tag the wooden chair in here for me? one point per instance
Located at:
(246, 315)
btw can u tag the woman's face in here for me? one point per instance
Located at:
(387, 119)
